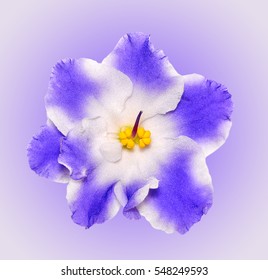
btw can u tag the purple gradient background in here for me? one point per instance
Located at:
(223, 40)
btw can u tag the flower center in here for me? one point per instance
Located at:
(130, 136)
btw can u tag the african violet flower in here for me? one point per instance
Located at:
(132, 132)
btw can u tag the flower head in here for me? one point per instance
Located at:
(131, 132)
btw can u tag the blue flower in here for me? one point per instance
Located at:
(131, 132)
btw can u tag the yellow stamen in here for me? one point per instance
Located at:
(122, 135)
(124, 142)
(147, 134)
(146, 141)
(142, 138)
(142, 144)
(140, 132)
(128, 132)
(130, 144)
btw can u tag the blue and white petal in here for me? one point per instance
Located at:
(90, 202)
(81, 88)
(80, 149)
(157, 85)
(204, 112)
(43, 153)
(131, 195)
(184, 192)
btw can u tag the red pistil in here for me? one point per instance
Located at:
(136, 125)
